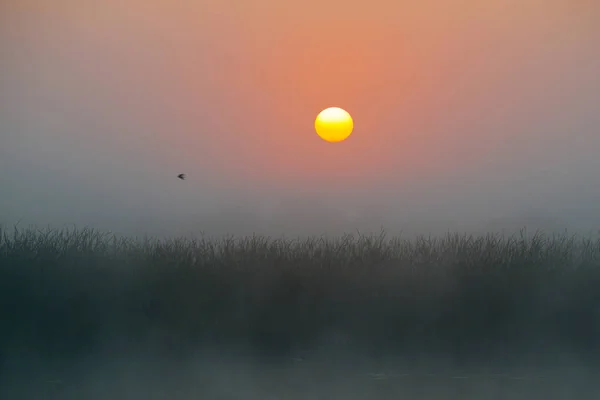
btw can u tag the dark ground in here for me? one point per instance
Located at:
(84, 315)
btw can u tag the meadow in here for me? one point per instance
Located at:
(471, 301)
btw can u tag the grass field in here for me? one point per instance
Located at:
(69, 291)
(469, 301)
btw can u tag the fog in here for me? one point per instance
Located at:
(233, 378)
(468, 116)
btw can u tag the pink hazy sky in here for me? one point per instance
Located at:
(465, 112)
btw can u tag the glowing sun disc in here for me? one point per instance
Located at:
(334, 124)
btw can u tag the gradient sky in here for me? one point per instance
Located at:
(468, 115)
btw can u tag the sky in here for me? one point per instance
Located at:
(468, 115)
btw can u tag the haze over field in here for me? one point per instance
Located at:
(468, 115)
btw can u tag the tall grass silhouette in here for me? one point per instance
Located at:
(72, 292)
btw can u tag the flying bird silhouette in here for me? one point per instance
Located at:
(181, 176)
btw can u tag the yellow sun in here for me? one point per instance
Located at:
(334, 124)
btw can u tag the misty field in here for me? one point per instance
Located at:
(463, 301)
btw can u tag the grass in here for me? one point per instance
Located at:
(69, 293)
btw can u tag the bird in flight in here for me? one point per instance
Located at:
(181, 176)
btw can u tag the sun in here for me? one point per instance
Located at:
(334, 124)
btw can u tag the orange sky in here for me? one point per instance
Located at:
(463, 94)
